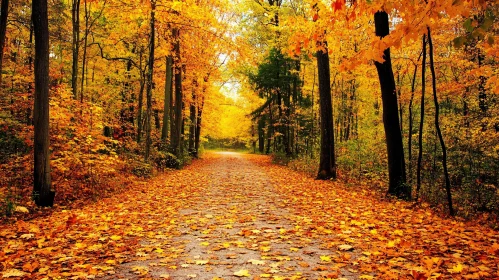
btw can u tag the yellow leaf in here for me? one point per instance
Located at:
(345, 247)
(205, 243)
(242, 273)
(456, 269)
(256, 262)
(201, 262)
(21, 209)
(326, 258)
(13, 273)
(366, 277)
(115, 237)
(265, 248)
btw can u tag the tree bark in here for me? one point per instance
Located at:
(85, 42)
(421, 121)
(411, 120)
(395, 150)
(193, 119)
(198, 126)
(168, 97)
(42, 192)
(179, 118)
(150, 72)
(261, 134)
(75, 19)
(437, 125)
(327, 164)
(4, 14)
(140, 105)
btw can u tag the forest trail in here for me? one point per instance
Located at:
(237, 216)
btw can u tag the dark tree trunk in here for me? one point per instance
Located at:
(197, 139)
(437, 125)
(261, 134)
(150, 66)
(75, 19)
(168, 97)
(411, 120)
(312, 129)
(270, 129)
(198, 125)
(327, 164)
(396, 163)
(179, 118)
(140, 105)
(85, 42)
(421, 121)
(4, 13)
(192, 126)
(42, 192)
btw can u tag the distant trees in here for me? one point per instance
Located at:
(277, 82)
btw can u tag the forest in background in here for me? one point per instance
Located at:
(136, 86)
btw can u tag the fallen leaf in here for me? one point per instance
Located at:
(242, 273)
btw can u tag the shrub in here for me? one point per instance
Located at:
(142, 169)
(164, 160)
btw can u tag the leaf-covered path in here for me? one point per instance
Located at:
(237, 216)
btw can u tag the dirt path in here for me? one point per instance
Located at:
(234, 216)
(239, 225)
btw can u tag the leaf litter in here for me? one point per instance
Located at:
(234, 216)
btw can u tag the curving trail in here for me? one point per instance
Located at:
(236, 216)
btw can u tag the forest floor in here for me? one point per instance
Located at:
(236, 216)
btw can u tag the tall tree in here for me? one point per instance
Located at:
(4, 13)
(176, 140)
(193, 120)
(421, 120)
(327, 164)
(168, 97)
(42, 192)
(150, 72)
(75, 20)
(437, 124)
(395, 150)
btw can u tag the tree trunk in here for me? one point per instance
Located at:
(261, 134)
(42, 192)
(179, 118)
(270, 129)
(198, 126)
(168, 97)
(421, 121)
(85, 42)
(192, 126)
(437, 125)
(75, 19)
(327, 164)
(4, 13)
(411, 121)
(140, 105)
(150, 66)
(396, 162)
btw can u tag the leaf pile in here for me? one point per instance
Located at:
(232, 216)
